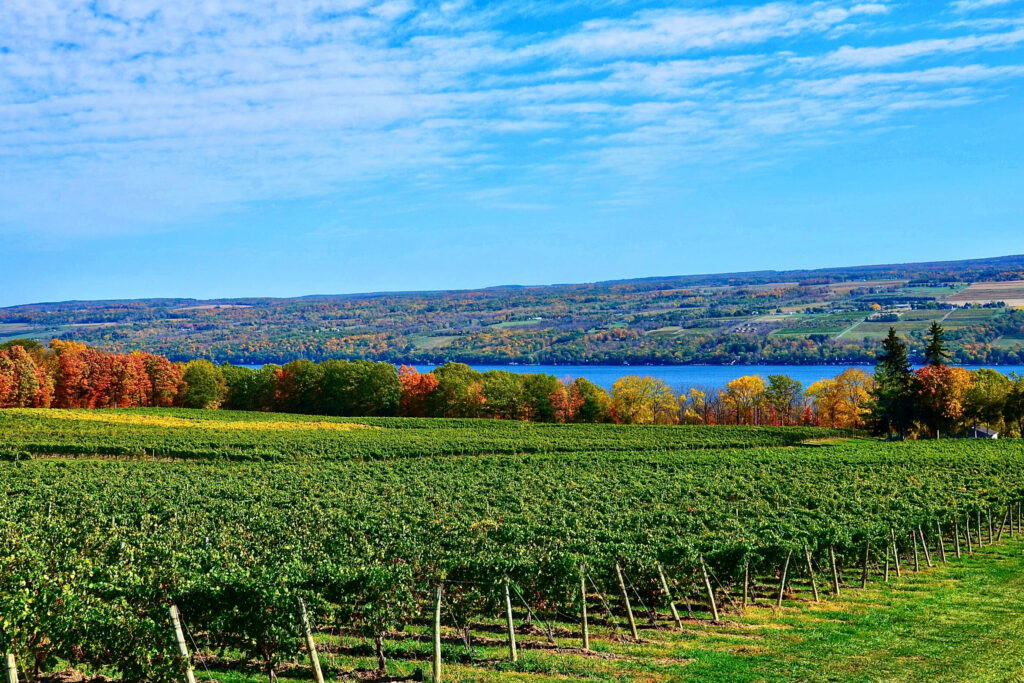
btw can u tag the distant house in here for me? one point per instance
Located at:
(979, 432)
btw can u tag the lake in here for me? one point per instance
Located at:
(685, 376)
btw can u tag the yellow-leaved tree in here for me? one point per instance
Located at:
(743, 397)
(644, 400)
(841, 402)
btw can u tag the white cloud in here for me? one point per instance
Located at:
(130, 114)
(973, 5)
(889, 54)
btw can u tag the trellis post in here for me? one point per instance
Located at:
(782, 581)
(583, 599)
(942, 545)
(512, 653)
(1002, 524)
(810, 573)
(625, 599)
(895, 552)
(437, 636)
(924, 544)
(179, 635)
(11, 669)
(707, 587)
(917, 561)
(956, 537)
(864, 575)
(835, 570)
(671, 602)
(307, 633)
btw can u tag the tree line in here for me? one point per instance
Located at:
(930, 401)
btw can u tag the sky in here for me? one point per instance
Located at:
(224, 148)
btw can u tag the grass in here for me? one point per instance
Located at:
(962, 621)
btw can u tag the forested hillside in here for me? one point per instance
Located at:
(824, 316)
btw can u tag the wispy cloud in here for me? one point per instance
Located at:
(133, 114)
(972, 5)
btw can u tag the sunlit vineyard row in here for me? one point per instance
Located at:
(95, 549)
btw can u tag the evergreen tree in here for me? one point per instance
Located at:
(935, 351)
(893, 406)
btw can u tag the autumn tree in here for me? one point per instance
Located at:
(417, 388)
(644, 400)
(588, 402)
(743, 397)
(165, 380)
(1013, 409)
(841, 402)
(695, 406)
(459, 392)
(941, 396)
(783, 396)
(23, 383)
(298, 387)
(544, 398)
(985, 400)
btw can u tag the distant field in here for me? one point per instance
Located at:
(985, 292)
(430, 343)
(846, 287)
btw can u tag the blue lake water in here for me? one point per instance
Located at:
(685, 376)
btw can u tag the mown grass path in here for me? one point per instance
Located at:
(961, 622)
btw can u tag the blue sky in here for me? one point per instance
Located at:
(288, 147)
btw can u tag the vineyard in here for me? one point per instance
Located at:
(375, 529)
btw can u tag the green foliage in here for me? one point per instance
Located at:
(204, 385)
(93, 549)
(935, 352)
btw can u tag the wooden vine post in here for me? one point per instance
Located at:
(835, 571)
(782, 581)
(711, 592)
(810, 573)
(917, 561)
(979, 528)
(864, 574)
(942, 546)
(307, 633)
(887, 551)
(989, 511)
(671, 602)
(583, 609)
(437, 636)
(1002, 524)
(895, 552)
(11, 669)
(746, 583)
(179, 635)
(924, 544)
(956, 537)
(625, 599)
(512, 653)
